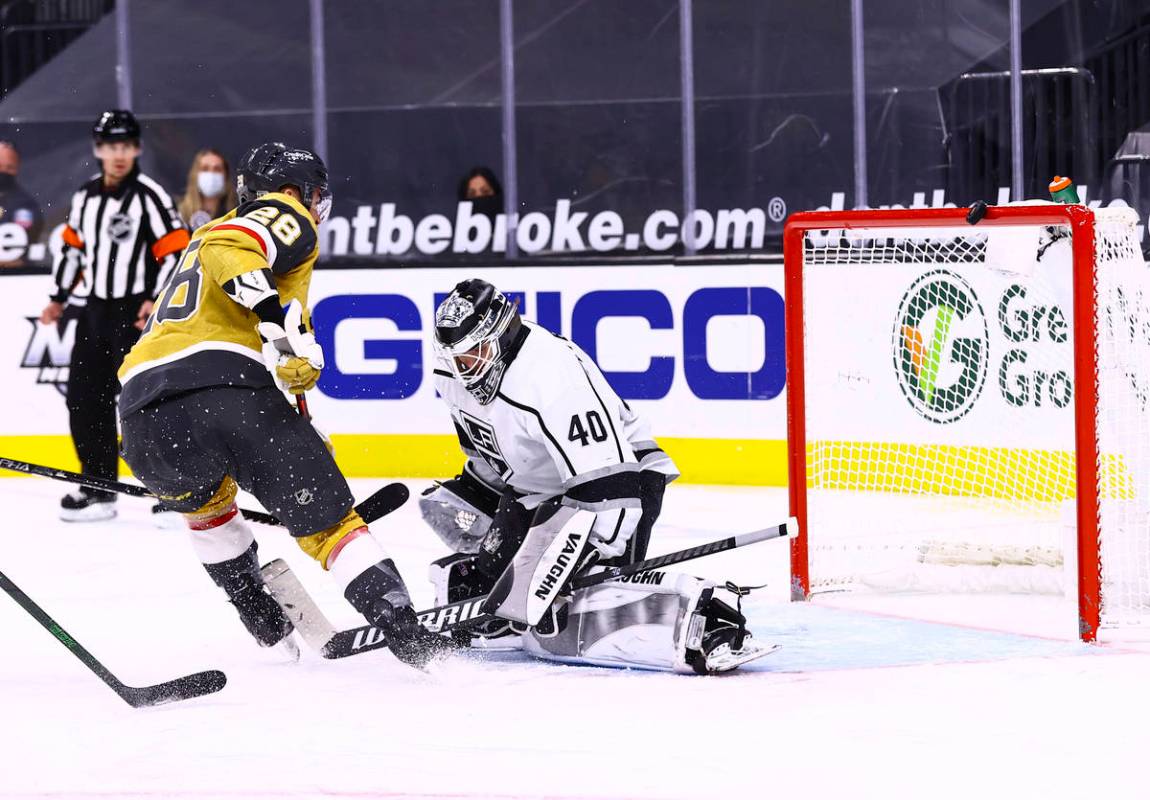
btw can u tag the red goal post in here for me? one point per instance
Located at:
(934, 242)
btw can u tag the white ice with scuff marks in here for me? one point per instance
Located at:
(855, 704)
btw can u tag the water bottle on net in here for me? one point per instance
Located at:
(1063, 190)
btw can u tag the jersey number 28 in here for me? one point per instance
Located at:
(181, 295)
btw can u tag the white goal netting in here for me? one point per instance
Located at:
(941, 444)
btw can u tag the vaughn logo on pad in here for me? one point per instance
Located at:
(940, 346)
(557, 564)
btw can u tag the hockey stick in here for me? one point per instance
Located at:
(322, 636)
(184, 688)
(383, 502)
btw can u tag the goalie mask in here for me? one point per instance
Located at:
(474, 330)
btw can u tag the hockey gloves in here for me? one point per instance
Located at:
(460, 511)
(291, 351)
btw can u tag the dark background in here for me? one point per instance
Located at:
(414, 96)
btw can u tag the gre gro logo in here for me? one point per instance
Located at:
(940, 346)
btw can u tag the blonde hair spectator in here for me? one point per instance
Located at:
(211, 189)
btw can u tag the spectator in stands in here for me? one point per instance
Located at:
(16, 205)
(210, 191)
(483, 189)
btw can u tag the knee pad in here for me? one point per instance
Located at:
(326, 544)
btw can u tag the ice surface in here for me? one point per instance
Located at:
(864, 700)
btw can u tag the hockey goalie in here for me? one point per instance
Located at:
(562, 477)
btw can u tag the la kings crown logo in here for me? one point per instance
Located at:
(940, 346)
(49, 352)
(453, 311)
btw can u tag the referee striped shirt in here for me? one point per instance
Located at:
(119, 243)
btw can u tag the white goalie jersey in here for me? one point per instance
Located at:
(555, 427)
(552, 426)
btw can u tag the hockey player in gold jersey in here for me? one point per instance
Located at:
(202, 416)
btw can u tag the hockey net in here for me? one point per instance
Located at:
(967, 405)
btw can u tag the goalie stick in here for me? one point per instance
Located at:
(323, 637)
(184, 688)
(380, 504)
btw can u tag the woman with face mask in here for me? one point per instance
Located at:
(483, 190)
(210, 191)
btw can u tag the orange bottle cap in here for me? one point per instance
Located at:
(1059, 183)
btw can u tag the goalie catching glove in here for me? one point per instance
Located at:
(291, 351)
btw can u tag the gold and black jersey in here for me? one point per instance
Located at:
(197, 335)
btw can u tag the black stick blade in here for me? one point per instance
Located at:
(185, 688)
(388, 499)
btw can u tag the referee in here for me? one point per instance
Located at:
(121, 242)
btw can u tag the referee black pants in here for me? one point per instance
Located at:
(105, 332)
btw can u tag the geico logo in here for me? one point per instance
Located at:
(393, 368)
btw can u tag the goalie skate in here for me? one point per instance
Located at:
(717, 639)
(724, 659)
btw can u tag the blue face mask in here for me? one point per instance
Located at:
(211, 184)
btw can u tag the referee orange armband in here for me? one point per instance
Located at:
(170, 242)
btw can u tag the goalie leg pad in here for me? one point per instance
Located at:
(653, 620)
(557, 546)
(624, 624)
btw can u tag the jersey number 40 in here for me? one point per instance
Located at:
(594, 429)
